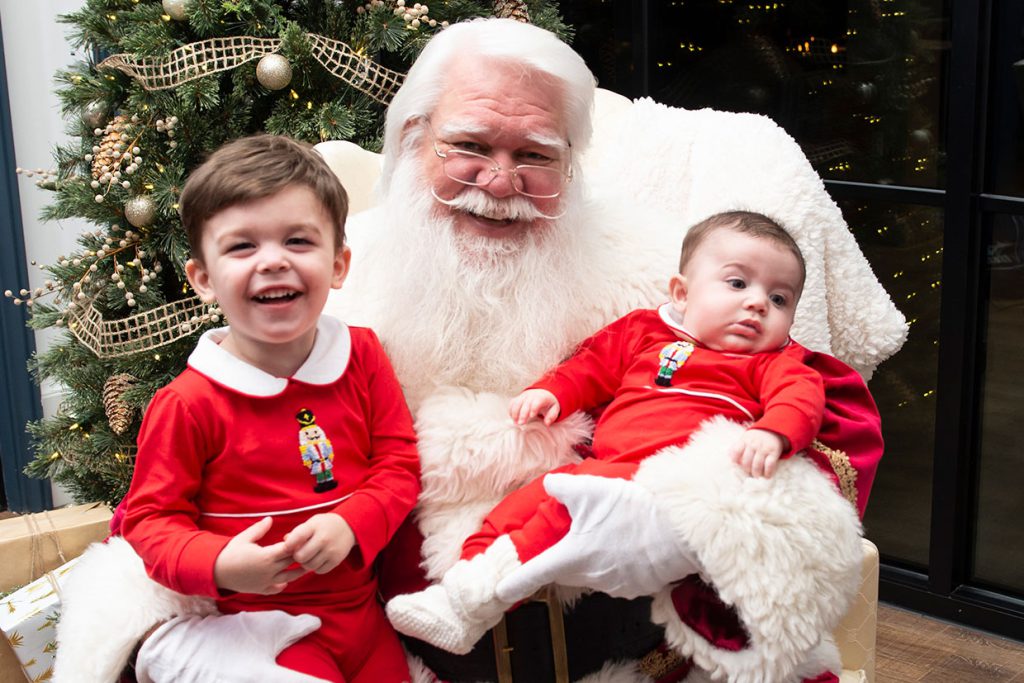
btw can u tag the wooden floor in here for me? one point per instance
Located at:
(915, 648)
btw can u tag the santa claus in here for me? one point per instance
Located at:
(488, 258)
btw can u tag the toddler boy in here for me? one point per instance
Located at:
(274, 469)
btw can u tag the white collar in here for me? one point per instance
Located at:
(665, 312)
(326, 362)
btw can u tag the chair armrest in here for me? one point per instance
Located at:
(357, 169)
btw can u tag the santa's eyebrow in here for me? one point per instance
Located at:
(469, 127)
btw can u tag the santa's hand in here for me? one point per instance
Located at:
(233, 648)
(620, 543)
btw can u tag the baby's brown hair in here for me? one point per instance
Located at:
(252, 168)
(746, 223)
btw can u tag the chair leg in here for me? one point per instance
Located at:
(855, 634)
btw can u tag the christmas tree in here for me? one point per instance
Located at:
(169, 82)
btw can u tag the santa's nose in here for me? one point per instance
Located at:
(502, 184)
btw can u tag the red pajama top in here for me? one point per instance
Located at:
(662, 384)
(226, 444)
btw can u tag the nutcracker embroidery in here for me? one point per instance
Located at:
(316, 451)
(670, 359)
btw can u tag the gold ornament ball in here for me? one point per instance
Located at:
(95, 114)
(176, 9)
(140, 211)
(274, 72)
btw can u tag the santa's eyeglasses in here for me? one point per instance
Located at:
(543, 180)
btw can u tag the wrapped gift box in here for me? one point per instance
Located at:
(10, 667)
(28, 618)
(33, 544)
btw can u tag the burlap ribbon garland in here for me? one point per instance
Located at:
(207, 57)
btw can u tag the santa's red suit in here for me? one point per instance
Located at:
(226, 444)
(660, 384)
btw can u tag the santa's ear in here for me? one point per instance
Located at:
(412, 131)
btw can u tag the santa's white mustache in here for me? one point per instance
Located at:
(477, 202)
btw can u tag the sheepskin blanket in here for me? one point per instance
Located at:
(108, 603)
(784, 552)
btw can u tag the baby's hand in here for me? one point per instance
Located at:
(320, 543)
(758, 452)
(531, 403)
(244, 566)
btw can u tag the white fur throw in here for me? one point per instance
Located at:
(108, 603)
(785, 552)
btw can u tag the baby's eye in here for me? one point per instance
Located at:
(298, 241)
(239, 246)
(778, 300)
(736, 283)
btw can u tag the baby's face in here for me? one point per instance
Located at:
(738, 293)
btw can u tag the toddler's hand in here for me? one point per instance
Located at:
(245, 566)
(320, 543)
(758, 452)
(534, 402)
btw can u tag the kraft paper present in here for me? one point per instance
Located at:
(10, 667)
(33, 544)
(28, 619)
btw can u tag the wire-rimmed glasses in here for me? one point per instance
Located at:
(479, 170)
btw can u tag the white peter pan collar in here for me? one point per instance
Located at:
(665, 313)
(326, 363)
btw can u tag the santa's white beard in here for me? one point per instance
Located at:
(488, 314)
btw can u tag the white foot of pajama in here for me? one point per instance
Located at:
(454, 614)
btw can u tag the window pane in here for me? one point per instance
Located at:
(904, 246)
(858, 83)
(1006, 101)
(603, 36)
(999, 540)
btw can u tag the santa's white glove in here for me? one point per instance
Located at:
(619, 543)
(232, 648)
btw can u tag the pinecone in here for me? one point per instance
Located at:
(510, 9)
(119, 412)
(108, 156)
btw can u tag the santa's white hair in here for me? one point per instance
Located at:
(499, 40)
